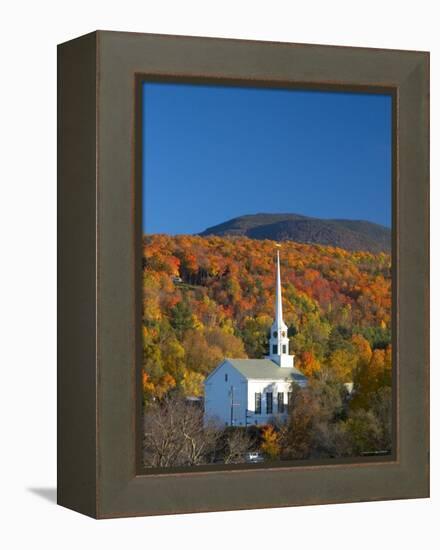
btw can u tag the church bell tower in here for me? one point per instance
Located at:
(279, 342)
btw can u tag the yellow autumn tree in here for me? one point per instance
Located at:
(270, 442)
(363, 349)
(192, 383)
(342, 363)
(371, 377)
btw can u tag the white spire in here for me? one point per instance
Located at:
(279, 341)
(278, 297)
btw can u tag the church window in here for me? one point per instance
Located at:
(269, 403)
(280, 402)
(226, 377)
(284, 348)
(283, 334)
(258, 403)
(275, 334)
(274, 349)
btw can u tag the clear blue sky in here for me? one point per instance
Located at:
(212, 153)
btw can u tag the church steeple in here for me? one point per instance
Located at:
(279, 341)
(278, 298)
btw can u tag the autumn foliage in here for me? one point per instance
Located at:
(270, 442)
(206, 298)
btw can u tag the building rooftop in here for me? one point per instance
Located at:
(265, 369)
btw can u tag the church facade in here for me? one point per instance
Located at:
(244, 392)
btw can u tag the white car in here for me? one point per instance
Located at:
(254, 457)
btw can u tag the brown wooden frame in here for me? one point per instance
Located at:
(99, 210)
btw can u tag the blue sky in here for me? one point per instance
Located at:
(212, 153)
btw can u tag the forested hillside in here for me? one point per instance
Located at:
(347, 234)
(206, 298)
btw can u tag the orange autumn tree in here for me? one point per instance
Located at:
(308, 363)
(161, 388)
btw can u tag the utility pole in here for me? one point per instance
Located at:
(231, 393)
(232, 405)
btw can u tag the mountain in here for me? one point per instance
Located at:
(348, 234)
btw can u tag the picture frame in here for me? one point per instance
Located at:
(99, 260)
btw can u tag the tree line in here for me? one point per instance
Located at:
(206, 298)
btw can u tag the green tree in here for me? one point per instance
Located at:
(181, 318)
(255, 335)
(152, 356)
(378, 337)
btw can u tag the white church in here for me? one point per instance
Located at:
(244, 392)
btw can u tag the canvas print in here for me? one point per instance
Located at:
(267, 275)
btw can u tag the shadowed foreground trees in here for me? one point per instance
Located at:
(316, 427)
(371, 429)
(236, 443)
(174, 436)
(325, 422)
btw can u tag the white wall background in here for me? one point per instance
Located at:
(29, 32)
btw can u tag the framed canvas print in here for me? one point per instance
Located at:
(243, 274)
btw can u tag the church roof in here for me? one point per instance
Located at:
(265, 369)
